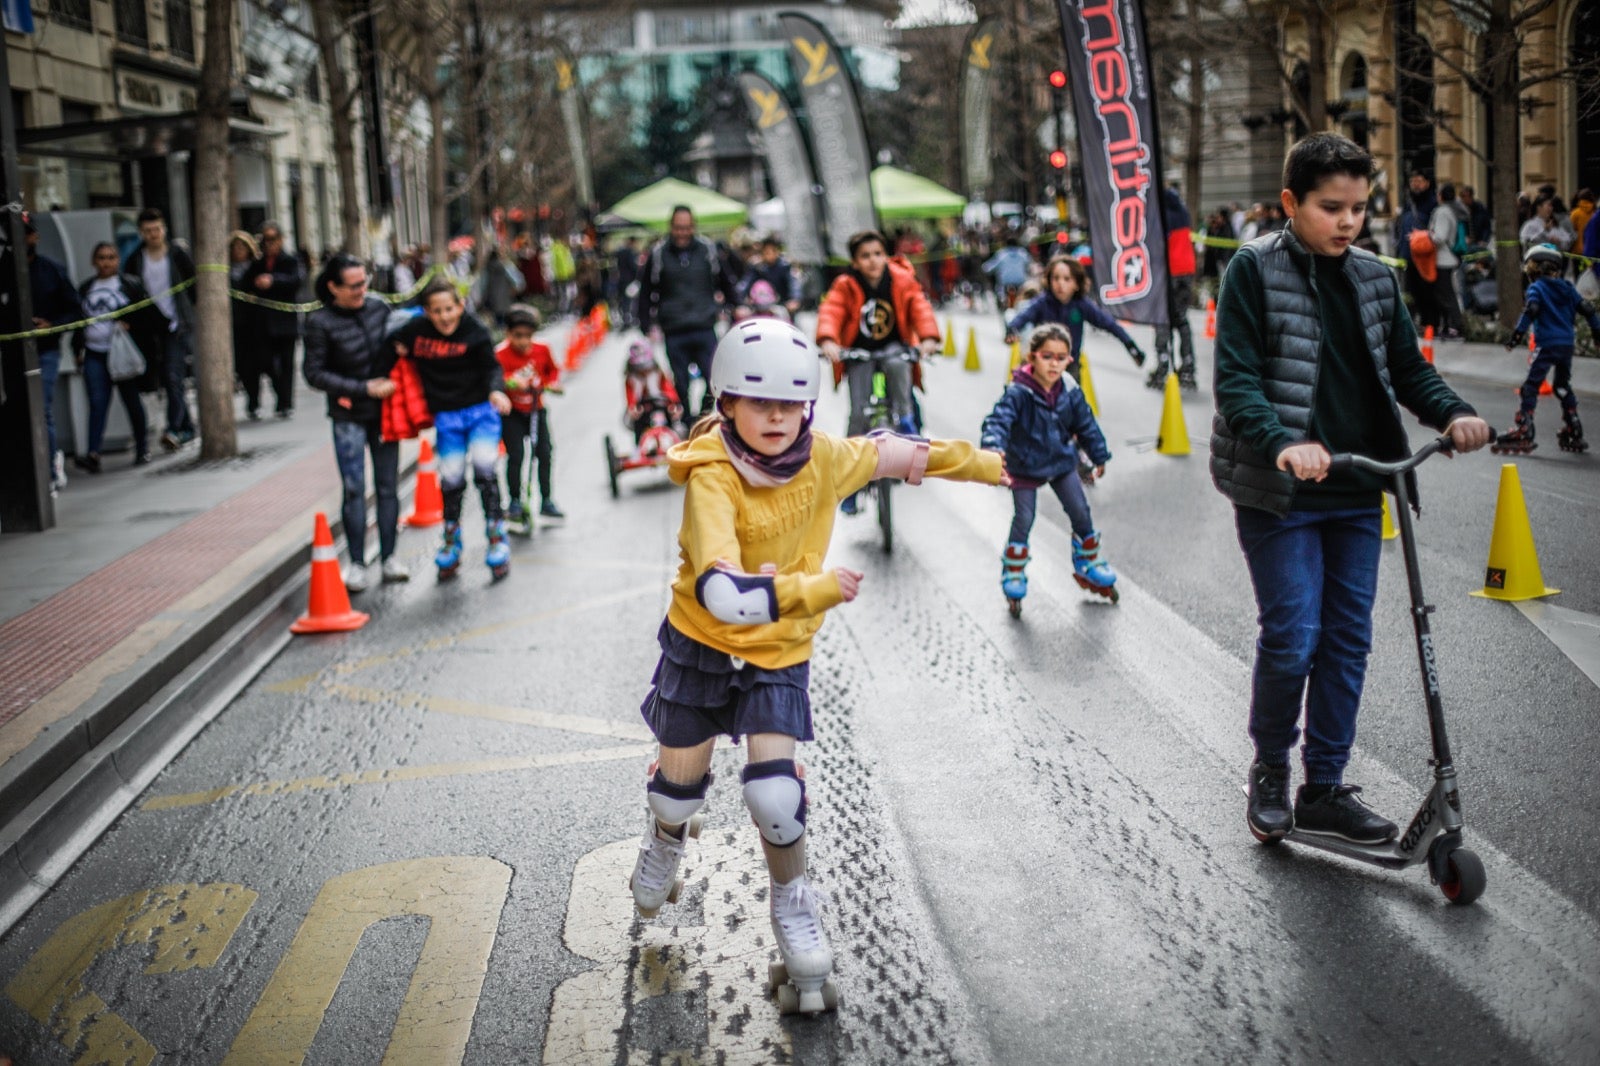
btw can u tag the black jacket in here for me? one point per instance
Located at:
(147, 326)
(344, 350)
(285, 288)
(182, 270)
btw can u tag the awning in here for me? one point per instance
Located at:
(901, 194)
(652, 206)
(119, 140)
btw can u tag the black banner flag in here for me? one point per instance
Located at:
(977, 78)
(789, 167)
(1119, 149)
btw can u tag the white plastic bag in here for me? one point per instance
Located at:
(124, 360)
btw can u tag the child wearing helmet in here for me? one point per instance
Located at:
(648, 390)
(760, 493)
(762, 302)
(530, 371)
(1551, 306)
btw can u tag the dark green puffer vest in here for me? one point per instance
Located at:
(1293, 330)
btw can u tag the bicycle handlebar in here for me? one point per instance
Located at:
(1349, 460)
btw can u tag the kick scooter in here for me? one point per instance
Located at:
(1434, 834)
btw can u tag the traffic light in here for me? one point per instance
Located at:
(1058, 79)
(1058, 159)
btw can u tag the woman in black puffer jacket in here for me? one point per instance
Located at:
(347, 356)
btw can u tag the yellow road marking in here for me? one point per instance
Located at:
(397, 774)
(461, 895)
(571, 723)
(189, 925)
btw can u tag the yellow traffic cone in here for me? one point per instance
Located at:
(1513, 570)
(1174, 438)
(949, 350)
(1016, 356)
(972, 350)
(1086, 383)
(1389, 530)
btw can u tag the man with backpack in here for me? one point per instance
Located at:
(678, 288)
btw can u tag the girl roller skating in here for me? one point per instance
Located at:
(761, 491)
(1040, 422)
(1551, 308)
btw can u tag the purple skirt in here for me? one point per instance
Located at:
(698, 693)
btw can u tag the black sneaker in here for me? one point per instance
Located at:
(1337, 811)
(1268, 810)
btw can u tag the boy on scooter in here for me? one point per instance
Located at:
(1315, 354)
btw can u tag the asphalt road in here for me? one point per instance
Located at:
(411, 843)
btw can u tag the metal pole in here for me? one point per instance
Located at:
(25, 503)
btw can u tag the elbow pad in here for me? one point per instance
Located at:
(738, 599)
(900, 457)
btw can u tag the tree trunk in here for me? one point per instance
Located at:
(325, 25)
(1316, 67)
(438, 220)
(213, 309)
(1195, 149)
(1500, 48)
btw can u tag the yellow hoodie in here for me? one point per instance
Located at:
(728, 520)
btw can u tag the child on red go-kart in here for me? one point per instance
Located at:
(762, 302)
(649, 391)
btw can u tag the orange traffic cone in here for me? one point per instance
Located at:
(427, 507)
(1427, 343)
(329, 610)
(574, 352)
(1211, 320)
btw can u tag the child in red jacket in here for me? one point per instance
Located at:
(530, 371)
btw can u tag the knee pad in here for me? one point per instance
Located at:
(777, 800)
(674, 804)
(1564, 394)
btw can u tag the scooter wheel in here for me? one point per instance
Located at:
(1466, 880)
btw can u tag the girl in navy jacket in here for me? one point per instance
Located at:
(1040, 422)
(1066, 303)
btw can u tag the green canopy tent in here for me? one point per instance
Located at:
(652, 206)
(901, 194)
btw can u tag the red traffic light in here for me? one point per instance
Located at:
(1058, 159)
(1058, 79)
(1061, 237)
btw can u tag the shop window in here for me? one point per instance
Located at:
(74, 13)
(133, 25)
(180, 29)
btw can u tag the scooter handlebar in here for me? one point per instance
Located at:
(1349, 460)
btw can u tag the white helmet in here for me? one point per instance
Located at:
(766, 359)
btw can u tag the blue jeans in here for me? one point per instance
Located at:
(696, 347)
(1544, 360)
(97, 380)
(1316, 576)
(469, 434)
(351, 442)
(179, 421)
(49, 370)
(1068, 489)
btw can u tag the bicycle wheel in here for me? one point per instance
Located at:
(885, 513)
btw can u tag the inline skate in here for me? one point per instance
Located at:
(448, 557)
(1014, 576)
(1157, 378)
(803, 980)
(1570, 436)
(498, 556)
(1520, 440)
(1089, 571)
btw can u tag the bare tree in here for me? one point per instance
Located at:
(213, 197)
(330, 23)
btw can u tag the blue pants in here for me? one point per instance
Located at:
(179, 422)
(469, 434)
(1068, 489)
(49, 371)
(1544, 360)
(696, 347)
(97, 379)
(351, 442)
(1316, 576)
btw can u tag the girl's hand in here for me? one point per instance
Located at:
(849, 582)
(500, 402)
(1308, 461)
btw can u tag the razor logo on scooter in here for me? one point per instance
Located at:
(1414, 831)
(1429, 670)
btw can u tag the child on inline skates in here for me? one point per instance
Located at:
(760, 489)
(1551, 308)
(1067, 304)
(648, 389)
(529, 371)
(1040, 422)
(1315, 353)
(464, 386)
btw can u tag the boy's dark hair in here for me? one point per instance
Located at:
(435, 287)
(522, 315)
(771, 242)
(1321, 156)
(1075, 268)
(858, 239)
(1447, 193)
(151, 214)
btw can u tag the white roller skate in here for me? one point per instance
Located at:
(1014, 576)
(655, 879)
(803, 980)
(1089, 571)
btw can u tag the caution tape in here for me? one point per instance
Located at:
(394, 299)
